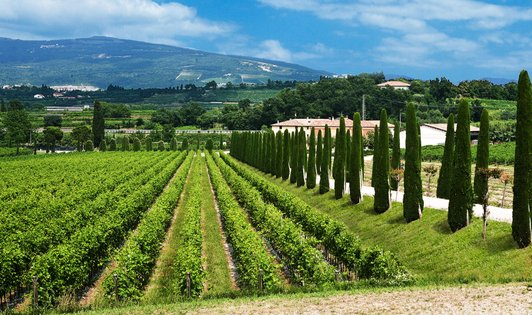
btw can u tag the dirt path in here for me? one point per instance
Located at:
(504, 299)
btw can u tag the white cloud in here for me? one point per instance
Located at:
(131, 19)
(272, 49)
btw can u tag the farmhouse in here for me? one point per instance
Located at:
(434, 134)
(319, 124)
(396, 85)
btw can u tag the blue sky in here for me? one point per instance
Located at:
(458, 39)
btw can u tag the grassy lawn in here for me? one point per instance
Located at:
(427, 247)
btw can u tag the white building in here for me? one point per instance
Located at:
(38, 96)
(397, 85)
(434, 134)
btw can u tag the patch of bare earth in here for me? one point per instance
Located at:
(503, 299)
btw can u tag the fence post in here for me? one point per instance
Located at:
(115, 278)
(189, 289)
(336, 273)
(261, 282)
(35, 293)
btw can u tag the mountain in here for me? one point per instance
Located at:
(101, 61)
(499, 81)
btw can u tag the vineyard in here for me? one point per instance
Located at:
(100, 228)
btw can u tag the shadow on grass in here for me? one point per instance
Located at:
(500, 243)
(442, 227)
(397, 220)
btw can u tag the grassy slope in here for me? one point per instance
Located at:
(427, 247)
(218, 275)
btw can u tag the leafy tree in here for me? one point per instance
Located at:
(444, 180)
(355, 181)
(53, 120)
(319, 153)
(17, 124)
(209, 145)
(311, 173)
(136, 144)
(279, 150)
(98, 123)
(89, 147)
(51, 136)
(521, 230)
(339, 161)
(324, 176)
(413, 191)
(481, 181)
(80, 135)
(103, 146)
(461, 197)
(396, 154)
(286, 155)
(3, 107)
(112, 145)
(381, 202)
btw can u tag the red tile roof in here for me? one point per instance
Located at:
(394, 84)
(320, 122)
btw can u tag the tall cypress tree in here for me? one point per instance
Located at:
(339, 161)
(375, 154)
(286, 155)
(381, 202)
(98, 123)
(481, 181)
(328, 149)
(521, 230)
(319, 153)
(413, 192)
(324, 176)
(293, 156)
(311, 172)
(273, 152)
(355, 173)
(461, 197)
(279, 151)
(301, 157)
(348, 149)
(446, 169)
(396, 155)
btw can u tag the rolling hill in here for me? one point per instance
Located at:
(101, 61)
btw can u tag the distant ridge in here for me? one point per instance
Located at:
(101, 61)
(499, 81)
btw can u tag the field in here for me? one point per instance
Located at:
(161, 227)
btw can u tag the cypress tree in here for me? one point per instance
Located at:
(293, 157)
(89, 146)
(209, 145)
(444, 180)
(301, 157)
(279, 151)
(112, 145)
(304, 150)
(311, 172)
(355, 181)
(339, 161)
(328, 149)
(98, 123)
(136, 144)
(125, 143)
(381, 202)
(103, 146)
(461, 196)
(319, 153)
(184, 145)
(413, 191)
(348, 149)
(480, 185)
(375, 154)
(521, 231)
(273, 152)
(173, 144)
(324, 176)
(396, 154)
(160, 146)
(286, 155)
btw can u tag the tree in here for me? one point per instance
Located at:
(149, 144)
(279, 152)
(98, 123)
(376, 153)
(381, 202)
(160, 146)
(413, 191)
(17, 124)
(339, 161)
(348, 149)
(103, 146)
(51, 136)
(355, 174)
(112, 145)
(3, 107)
(319, 153)
(430, 170)
(173, 144)
(89, 146)
(80, 135)
(481, 181)
(209, 145)
(327, 150)
(184, 144)
(444, 181)
(293, 156)
(273, 153)
(125, 143)
(396, 155)
(53, 120)
(461, 196)
(301, 157)
(136, 144)
(286, 155)
(311, 173)
(324, 175)
(521, 230)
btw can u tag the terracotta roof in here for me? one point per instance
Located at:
(320, 122)
(394, 84)
(443, 127)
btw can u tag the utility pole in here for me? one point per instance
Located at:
(363, 106)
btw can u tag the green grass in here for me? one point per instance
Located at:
(427, 247)
(218, 275)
